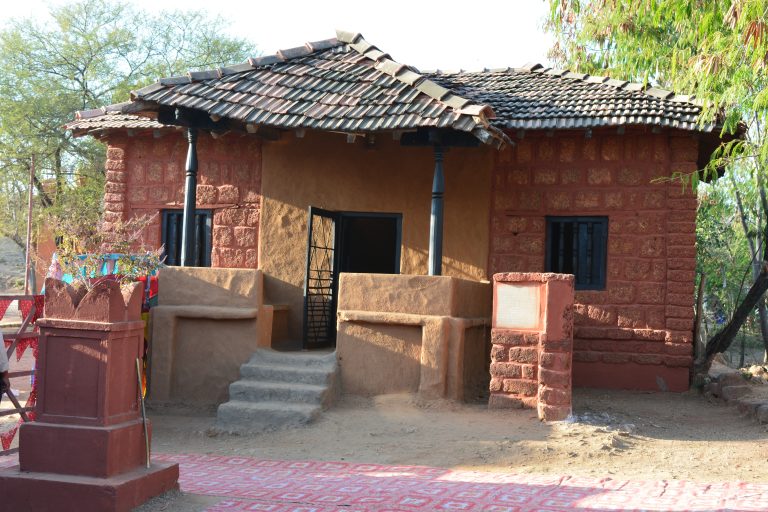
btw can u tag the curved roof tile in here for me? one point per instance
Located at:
(348, 84)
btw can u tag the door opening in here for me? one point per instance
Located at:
(370, 243)
(343, 242)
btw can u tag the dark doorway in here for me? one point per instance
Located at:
(370, 243)
(343, 242)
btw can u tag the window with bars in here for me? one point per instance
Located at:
(172, 228)
(578, 246)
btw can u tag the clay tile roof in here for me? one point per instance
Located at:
(535, 97)
(109, 118)
(341, 84)
(347, 84)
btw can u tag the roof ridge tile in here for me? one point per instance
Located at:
(432, 89)
(236, 68)
(198, 76)
(116, 108)
(531, 66)
(347, 37)
(323, 44)
(659, 93)
(265, 60)
(389, 66)
(572, 75)
(408, 76)
(594, 79)
(401, 72)
(633, 86)
(89, 113)
(171, 80)
(362, 46)
(295, 52)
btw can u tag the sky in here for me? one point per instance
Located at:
(427, 34)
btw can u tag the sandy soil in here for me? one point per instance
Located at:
(623, 435)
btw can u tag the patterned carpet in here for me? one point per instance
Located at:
(248, 484)
(308, 486)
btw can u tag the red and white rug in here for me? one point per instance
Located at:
(312, 486)
(248, 484)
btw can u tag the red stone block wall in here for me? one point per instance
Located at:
(637, 333)
(533, 367)
(514, 368)
(146, 175)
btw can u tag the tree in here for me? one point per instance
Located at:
(729, 247)
(91, 53)
(717, 51)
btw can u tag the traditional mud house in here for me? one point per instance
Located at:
(545, 171)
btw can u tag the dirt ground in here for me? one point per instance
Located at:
(618, 434)
(622, 435)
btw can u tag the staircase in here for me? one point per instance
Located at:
(279, 389)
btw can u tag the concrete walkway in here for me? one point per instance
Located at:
(247, 484)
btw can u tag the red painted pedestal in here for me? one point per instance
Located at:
(86, 451)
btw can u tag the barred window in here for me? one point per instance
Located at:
(173, 221)
(578, 246)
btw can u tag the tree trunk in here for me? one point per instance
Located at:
(58, 175)
(45, 199)
(743, 350)
(763, 317)
(723, 339)
(698, 345)
(758, 269)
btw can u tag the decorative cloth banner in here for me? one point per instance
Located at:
(29, 339)
(25, 343)
(25, 306)
(4, 303)
(6, 438)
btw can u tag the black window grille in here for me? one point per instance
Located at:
(578, 246)
(172, 228)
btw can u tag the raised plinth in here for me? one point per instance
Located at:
(87, 449)
(76, 493)
(532, 339)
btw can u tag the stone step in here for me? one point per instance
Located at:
(279, 389)
(318, 375)
(320, 359)
(286, 392)
(241, 417)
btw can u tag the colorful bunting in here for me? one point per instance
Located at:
(4, 303)
(25, 306)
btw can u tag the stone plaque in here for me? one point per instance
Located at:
(517, 306)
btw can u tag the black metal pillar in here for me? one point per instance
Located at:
(190, 199)
(436, 221)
